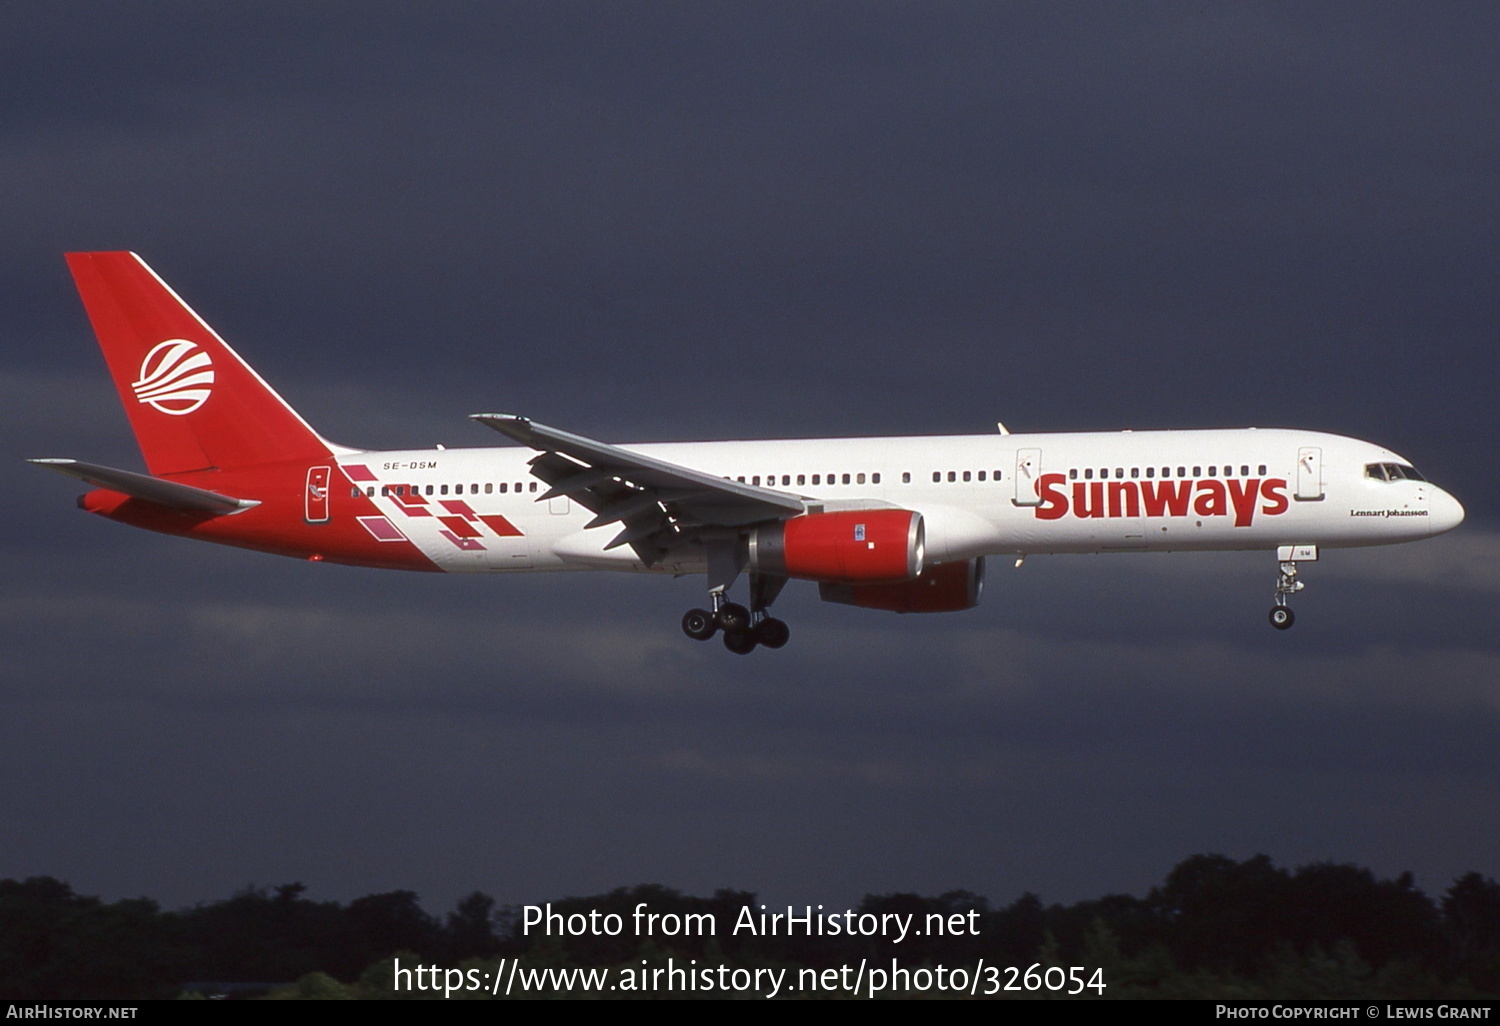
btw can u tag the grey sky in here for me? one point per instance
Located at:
(679, 221)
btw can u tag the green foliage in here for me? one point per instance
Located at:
(1214, 928)
(312, 987)
(57, 944)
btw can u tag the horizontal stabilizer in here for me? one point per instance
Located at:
(151, 489)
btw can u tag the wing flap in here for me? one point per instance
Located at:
(659, 505)
(740, 503)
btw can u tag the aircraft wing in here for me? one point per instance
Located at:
(660, 504)
(148, 488)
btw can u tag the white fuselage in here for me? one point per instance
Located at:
(978, 494)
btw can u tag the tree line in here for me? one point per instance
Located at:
(1215, 927)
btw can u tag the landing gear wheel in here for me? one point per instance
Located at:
(733, 617)
(739, 640)
(699, 624)
(772, 633)
(1282, 617)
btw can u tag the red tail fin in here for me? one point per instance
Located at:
(192, 402)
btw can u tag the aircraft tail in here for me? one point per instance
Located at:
(192, 402)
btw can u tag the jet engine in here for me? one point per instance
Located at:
(944, 588)
(857, 546)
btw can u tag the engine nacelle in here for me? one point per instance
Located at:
(854, 546)
(945, 588)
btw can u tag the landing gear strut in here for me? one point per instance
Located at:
(743, 628)
(1281, 615)
(700, 624)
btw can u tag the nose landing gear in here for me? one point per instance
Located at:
(1281, 615)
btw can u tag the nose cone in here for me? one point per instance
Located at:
(1447, 513)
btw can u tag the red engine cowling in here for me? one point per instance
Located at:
(945, 588)
(857, 546)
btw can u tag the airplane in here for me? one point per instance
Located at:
(902, 524)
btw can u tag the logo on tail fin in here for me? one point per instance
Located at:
(176, 377)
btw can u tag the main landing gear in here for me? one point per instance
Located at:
(1281, 615)
(743, 628)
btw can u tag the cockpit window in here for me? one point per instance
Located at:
(1392, 472)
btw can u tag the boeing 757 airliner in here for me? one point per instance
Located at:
(899, 524)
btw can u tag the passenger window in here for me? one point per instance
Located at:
(1244, 471)
(740, 479)
(533, 486)
(937, 475)
(846, 479)
(817, 478)
(1213, 471)
(1135, 471)
(875, 477)
(906, 477)
(1228, 471)
(503, 487)
(1262, 470)
(859, 479)
(966, 475)
(370, 492)
(1182, 472)
(1088, 473)
(802, 479)
(1073, 474)
(1119, 472)
(997, 475)
(786, 479)
(1150, 471)
(755, 480)
(1197, 471)
(443, 490)
(952, 476)
(981, 475)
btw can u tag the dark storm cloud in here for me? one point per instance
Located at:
(512, 743)
(688, 221)
(1210, 197)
